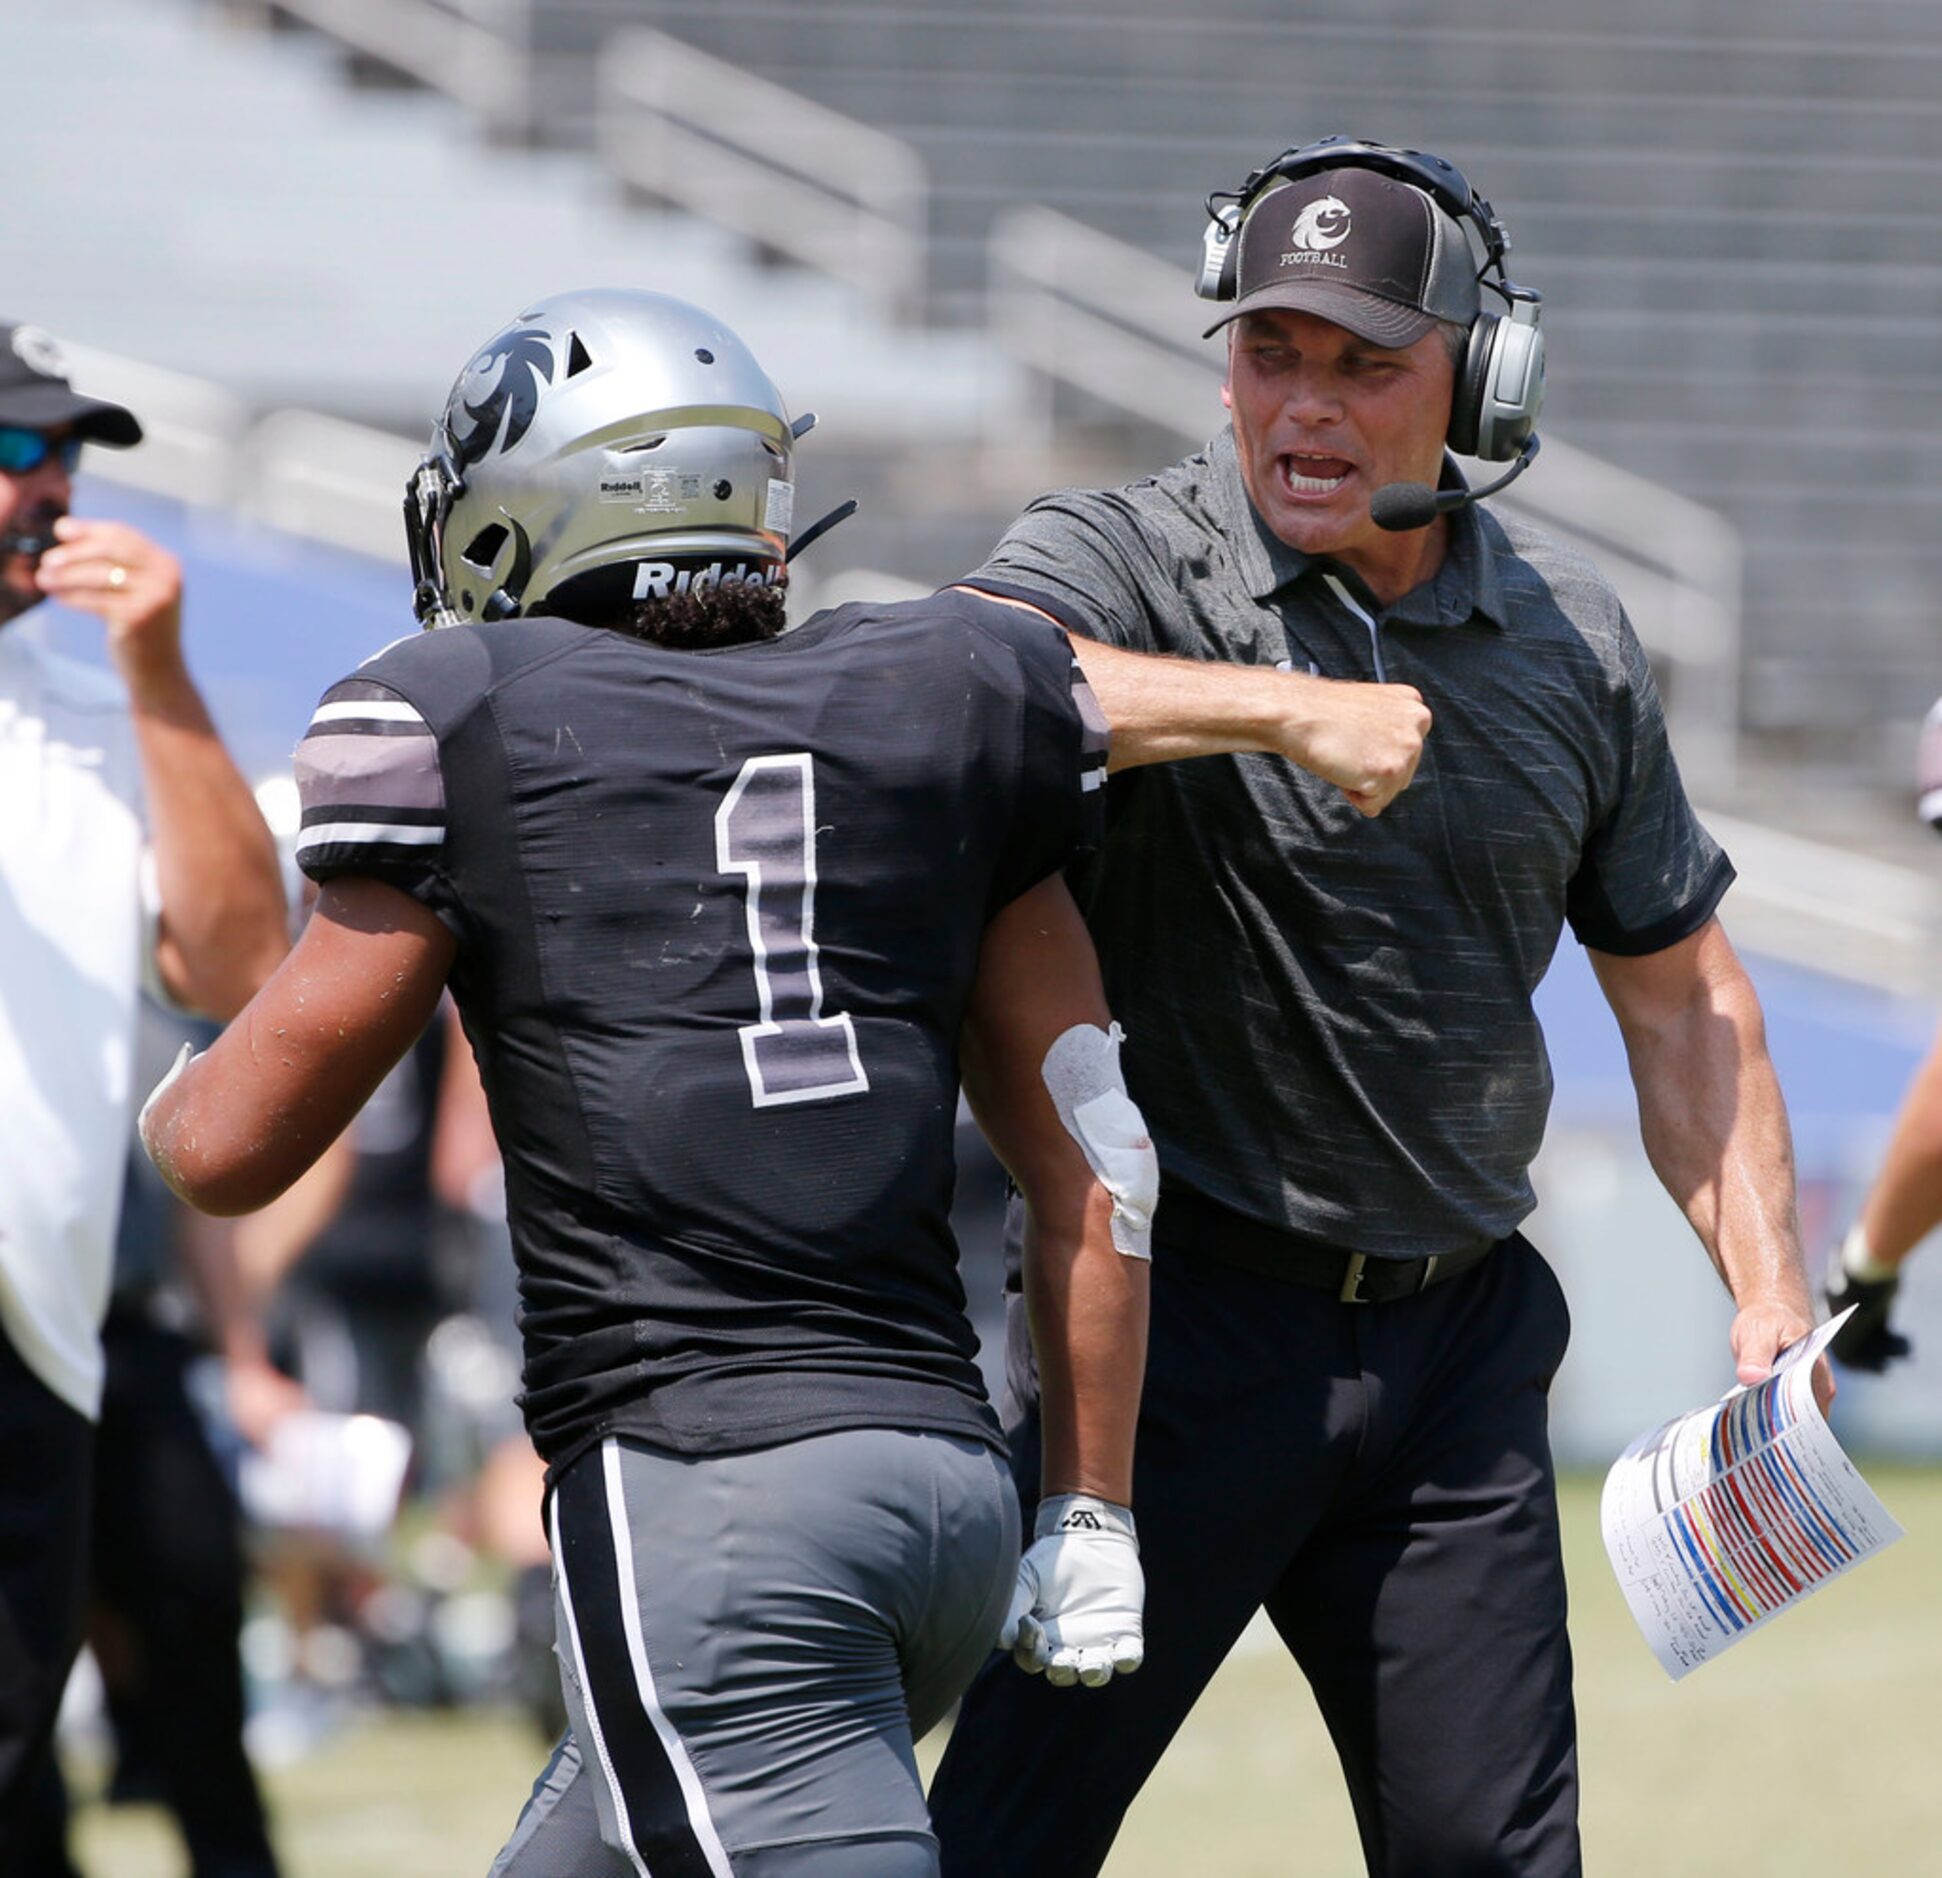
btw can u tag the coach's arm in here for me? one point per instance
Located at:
(1365, 739)
(221, 926)
(1715, 1130)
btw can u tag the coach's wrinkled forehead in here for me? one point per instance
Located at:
(1370, 254)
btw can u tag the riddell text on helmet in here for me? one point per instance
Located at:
(655, 580)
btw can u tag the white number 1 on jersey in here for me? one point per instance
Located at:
(765, 830)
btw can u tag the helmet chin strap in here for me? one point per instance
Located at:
(816, 530)
(841, 513)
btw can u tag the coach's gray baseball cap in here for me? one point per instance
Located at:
(35, 394)
(1368, 253)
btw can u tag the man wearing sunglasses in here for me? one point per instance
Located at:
(131, 854)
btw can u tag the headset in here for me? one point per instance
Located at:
(1500, 385)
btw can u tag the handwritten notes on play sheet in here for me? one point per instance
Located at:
(1722, 1518)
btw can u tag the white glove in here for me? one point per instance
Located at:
(1075, 1613)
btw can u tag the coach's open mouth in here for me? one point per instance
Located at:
(1303, 475)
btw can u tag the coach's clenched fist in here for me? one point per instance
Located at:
(1365, 739)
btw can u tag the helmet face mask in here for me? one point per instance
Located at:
(625, 442)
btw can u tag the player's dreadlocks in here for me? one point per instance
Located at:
(721, 613)
(737, 613)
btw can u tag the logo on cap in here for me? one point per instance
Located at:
(37, 351)
(1324, 224)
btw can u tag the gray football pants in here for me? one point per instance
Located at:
(750, 1646)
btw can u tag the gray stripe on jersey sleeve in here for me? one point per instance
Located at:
(370, 772)
(372, 792)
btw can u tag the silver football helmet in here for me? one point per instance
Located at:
(606, 430)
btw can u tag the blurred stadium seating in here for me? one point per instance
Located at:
(1729, 204)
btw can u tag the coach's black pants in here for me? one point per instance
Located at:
(168, 1590)
(46, 1461)
(1379, 1478)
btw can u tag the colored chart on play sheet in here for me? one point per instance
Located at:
(1722, 1518)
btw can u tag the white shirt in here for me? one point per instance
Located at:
(76, 933)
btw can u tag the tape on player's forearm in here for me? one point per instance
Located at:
(1083, 1078)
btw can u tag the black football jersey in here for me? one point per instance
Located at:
(718, 915)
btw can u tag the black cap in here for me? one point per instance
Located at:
(35, 394)
(1348, 245)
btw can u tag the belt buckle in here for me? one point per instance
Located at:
(1351, 1292)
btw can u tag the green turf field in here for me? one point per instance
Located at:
(1809, 1750)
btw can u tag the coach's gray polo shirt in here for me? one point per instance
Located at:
(1329, 1017)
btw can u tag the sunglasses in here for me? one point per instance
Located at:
(22, 451)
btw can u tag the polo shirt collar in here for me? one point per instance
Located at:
(1465, 585)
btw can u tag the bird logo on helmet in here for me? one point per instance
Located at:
(501, 386)
(597, 432)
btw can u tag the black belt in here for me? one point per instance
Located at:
(1203, 1228)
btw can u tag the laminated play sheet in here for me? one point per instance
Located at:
(1720, 1519)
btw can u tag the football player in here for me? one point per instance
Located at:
(727, 914)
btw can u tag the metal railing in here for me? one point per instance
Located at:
(1849, 915)
(1080, 309)
(309, 475)
(474, 51)
(321, 477)
(824, 189)
(827, 190)
(193, 432)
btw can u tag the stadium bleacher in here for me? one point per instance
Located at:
(1718, 199)
(1730, 208)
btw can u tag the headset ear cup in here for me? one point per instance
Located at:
(1516, 390)
(1509, 394)
(1472, 385)
(1220, 255)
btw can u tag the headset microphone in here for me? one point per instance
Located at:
(1402, 506)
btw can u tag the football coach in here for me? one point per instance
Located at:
(1333, 1039)
(131, 855)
